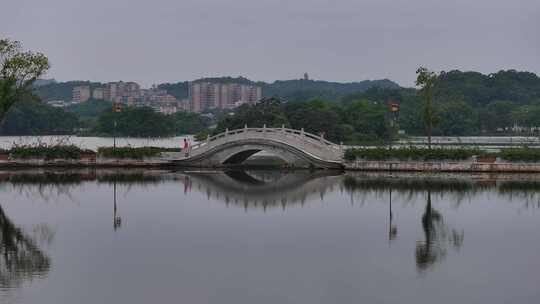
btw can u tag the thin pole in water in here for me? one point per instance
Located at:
(114, 135)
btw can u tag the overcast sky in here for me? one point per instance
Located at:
(158, 41)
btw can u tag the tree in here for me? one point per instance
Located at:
(369, 120)
(189, 123)
(457, 119)
(426, 80)
(31, 117)
(267, 112)
(135, 122)
(315, 117)
(18, 71)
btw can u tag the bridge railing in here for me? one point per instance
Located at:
(316, 142)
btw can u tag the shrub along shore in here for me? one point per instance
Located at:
(367, 159)
(72, 152)
(523, 154)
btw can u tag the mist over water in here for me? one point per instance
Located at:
(139, 236)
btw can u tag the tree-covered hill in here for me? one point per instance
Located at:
(90, 108)
(289, 90)
(30, 117)
(479, 89)
(300, 89)
(61, 90)
(469, 103)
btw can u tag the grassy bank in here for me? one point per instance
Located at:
(424, 154)
(72, 152)
(131, 152)
(42, 151)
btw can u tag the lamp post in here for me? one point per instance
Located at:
(117, 108)
(117, 220)
(394, 113)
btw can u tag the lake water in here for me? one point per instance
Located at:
(125, 236)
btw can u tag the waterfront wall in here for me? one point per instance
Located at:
(470, 165)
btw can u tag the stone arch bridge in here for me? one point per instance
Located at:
(232, 147)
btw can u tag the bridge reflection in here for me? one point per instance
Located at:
(262, 189)
(21, 258)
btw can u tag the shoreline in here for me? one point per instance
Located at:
(466, 166)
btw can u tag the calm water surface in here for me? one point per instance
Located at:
(267, 237)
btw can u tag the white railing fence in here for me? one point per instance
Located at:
(310, 143)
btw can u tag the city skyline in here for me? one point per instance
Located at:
(342, 41)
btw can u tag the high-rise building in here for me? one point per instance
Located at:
(118, 91)
(97, 93)
(208, 95)
(81, 93)
(109, 92)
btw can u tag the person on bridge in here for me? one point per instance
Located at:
(186, 147)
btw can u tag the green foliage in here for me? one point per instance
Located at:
(178, 90)
(90, 108)
(203, 135)
(456, 119)
(520, 154)
(62, 90)
(29, 117)
(478, 89)
(426, 80)
(43, 151)
(304, 90)
(423, 154)
(189, 123)
(145, 122)
(135, 122)
(359, 121)
(18, 71)
(369, 120)
(267, 112)
(135, 153)
(316, 116)
(410, 153)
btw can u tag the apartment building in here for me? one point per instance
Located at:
(97, 93)
(207, 95)
(121, 91)
(80, 93)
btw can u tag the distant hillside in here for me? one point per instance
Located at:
(304, 90)
(297, 90)
(479, 89)
(178, 90)
(61, 90)
(42, 82)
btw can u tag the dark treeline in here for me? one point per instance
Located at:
(355, 121)
(290, 90)
(465, 103)
(145, 122)
(31, 117)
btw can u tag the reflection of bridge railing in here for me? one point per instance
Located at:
(243, 188)
(309, 143)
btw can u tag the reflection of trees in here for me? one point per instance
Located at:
(436, 238)
(408, 188)
(51, 185)
(20, 257)
(523, 190)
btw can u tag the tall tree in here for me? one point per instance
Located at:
(426, 79)
(18, 71)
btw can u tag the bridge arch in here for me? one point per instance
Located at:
(296, 147)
